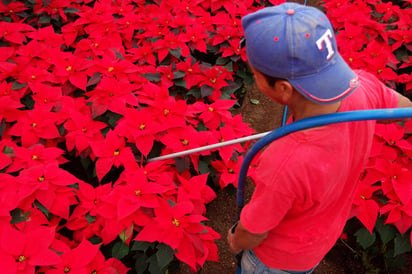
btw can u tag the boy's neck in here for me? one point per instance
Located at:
(304, 109)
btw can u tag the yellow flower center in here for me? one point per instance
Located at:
(110, 69)
(211, 109)
(166, 112)
(34, 157)
(116, 153)
(137, 192)
(185, 142)
(40, 179)
(66, 269)
(176, 222)
(69, 68)
(34, 124)
(142, 126)
(21, 258)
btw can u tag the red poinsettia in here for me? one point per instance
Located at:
(23, 251)
(15, 32)
(34, 125)
(133, 192)
(37, 154)
(177, 227)
(112, 151)
(76, 260)
(228, 170)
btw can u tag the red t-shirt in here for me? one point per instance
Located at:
(305, 183)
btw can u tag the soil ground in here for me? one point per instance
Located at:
(264, 116)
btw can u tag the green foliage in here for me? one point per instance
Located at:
(383, 250)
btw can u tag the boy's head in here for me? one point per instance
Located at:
(297, 43)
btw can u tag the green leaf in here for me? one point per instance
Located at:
(17, 85)
(119, 250)
(178, 74)
(205, 91)
(90, 219)
(364, 238)
(141, 246)
(203, 167)
(96, 78)
(402, 244)
(42, 208)
(45, 19)
(180, 83)
(386, 232)
(154, 265)
(70, 10)
(17, 216)
(164, 255)
(95, 240)
(154, 77)
(221, 61)
(254, 101)
(176, 52)
(141, 263)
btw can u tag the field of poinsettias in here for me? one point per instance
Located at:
(90, 90)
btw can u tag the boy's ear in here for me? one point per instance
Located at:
(285, 90)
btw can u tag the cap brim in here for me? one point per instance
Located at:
(330, 85)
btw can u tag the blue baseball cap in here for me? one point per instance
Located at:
(297, 43)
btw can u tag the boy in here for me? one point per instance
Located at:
(305, 181)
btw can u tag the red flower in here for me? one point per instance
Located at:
(111, 94)
(12, 9)
(365, 208)
(73, 68)
(216, 78)
(9, 196)
(81, 130)
(142, 54)
(112, 151)
(8, 105)
(195, 190)
(45, 96)
(139, 127)
(193, 73)
(398, 214)
(168, 42)
(176, 227)
(76, 260)
(34, 125)
(196, 37)
(35, 155)
(21, 252)
(49, 185)
(14, 32)
(111, 266)
(47, 35)
(233, 50)
(132, 192)
(216, 113)
(228, 170)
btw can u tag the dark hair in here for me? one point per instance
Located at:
(272, 80)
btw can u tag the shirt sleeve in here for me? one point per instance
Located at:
(380, 95)
(265, 210)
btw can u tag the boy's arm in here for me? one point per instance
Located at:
(242, 239)
(403, 102)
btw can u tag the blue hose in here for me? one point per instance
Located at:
(340, 117)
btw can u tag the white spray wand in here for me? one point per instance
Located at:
(209, 147)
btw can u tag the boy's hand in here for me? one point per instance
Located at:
(230, 240)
